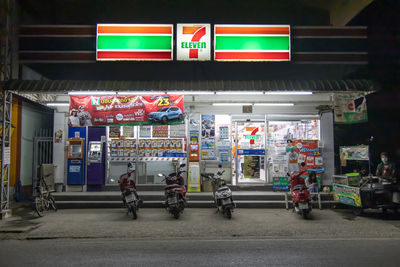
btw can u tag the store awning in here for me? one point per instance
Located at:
(64, 86)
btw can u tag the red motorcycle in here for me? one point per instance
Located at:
(130, 198)
(300, 194)
(175, 192)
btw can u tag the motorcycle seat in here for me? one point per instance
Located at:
(222, 188)
(172, 186)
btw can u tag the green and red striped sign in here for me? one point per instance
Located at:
(252, 42)
(134, 42)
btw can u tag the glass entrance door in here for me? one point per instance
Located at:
(249, 152)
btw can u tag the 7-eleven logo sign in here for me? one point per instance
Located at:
(193, 42)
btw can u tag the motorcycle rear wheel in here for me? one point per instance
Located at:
(176, 212)
(228, 213)
(134, 213)
(304, 214)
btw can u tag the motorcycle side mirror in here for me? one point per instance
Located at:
(219, 165)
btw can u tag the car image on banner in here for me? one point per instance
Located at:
(119, 109)
(165, 114)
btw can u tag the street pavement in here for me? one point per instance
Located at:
(158, 223)
(253, 237)
(201, 252)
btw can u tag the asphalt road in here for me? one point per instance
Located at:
(201, 252)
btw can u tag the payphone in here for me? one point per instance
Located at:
(95, 152)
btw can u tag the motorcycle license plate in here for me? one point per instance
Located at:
(130, 198)
(172, 200)
(226, 201)
(303, 206)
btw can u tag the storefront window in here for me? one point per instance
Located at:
(284, 148)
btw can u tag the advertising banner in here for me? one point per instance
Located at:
(194, 177)
(125, 110)
(350, 109)
(252, 42)
(193, 42)
(354, 152)
(347, 195)
(134, 42)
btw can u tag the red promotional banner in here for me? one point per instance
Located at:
(125, 109)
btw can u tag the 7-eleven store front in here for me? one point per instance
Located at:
(246, 132)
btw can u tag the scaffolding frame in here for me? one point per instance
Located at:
(6, 103)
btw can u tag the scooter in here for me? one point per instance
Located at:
(222, 194)
(300, 195)
(175, 192)
(130, 198)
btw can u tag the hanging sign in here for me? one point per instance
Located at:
(252, 42)
(126, 109)
(134, 42)
(193, 42)
(360, 152)
(350, 109)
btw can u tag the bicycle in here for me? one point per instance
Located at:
(45, 201)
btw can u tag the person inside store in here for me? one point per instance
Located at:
(312, 184)
(73, 119)
(386, 169)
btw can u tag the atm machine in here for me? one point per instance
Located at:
(96, 158)
(76, 157)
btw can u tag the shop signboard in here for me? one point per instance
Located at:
(193, 42)
(258, 152)
(347, 195)
(252, 42)
(107, 110)
(280, 182)
(134, 42)
(354, 152)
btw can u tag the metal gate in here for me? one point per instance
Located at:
(42, 154)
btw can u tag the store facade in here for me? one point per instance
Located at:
(257, 128)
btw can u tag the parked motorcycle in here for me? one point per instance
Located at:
(222, 194)
(175, 192)
(300, 195)
(130, 198)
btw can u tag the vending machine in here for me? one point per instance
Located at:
(76, 156)
(96, 159)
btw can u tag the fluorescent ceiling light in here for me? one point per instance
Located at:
(191, 92)
(293, 115)
(92, 93)
(58, 104)
(274, 104)
(231, 104)
(289, 93)
(142, 93)
(240, 93)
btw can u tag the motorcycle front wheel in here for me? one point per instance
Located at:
(39, 206)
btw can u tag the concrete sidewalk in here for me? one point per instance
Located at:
(203, 223)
